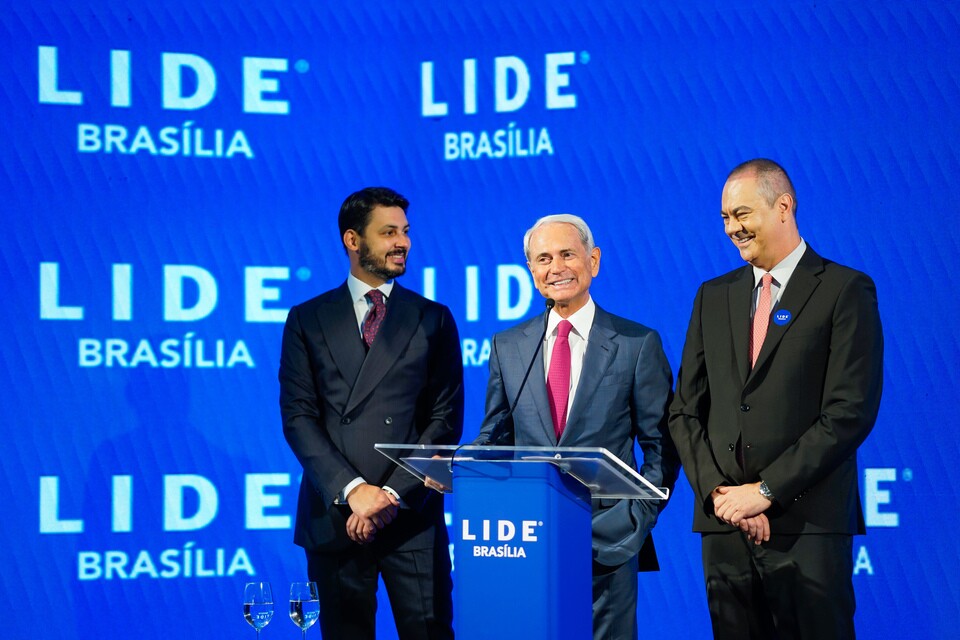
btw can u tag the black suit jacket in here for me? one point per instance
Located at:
(803, 409)
(337, 401)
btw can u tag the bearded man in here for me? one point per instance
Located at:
(368, 362)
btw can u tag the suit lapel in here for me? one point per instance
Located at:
(801, 286)
(601, 350)
(536, 383)
(338, 321)
(738, 303)
(398, 326)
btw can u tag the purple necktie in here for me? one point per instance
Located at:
(371, 324)
(558, 378)
(761, 319)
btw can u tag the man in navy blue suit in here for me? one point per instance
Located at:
(369, 362)
(612, 391)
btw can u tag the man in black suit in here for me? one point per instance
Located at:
(767, 418)
(364, 363)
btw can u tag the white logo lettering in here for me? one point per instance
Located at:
(507, 274)
(874, 497)
(512, 82)
(505, 67)
(556, 81)
(190, 293)
(122, 504)
(50, 521)
(187, 562)
(863, 562)
(257, 293)
(173, 65)
(178, 71)
(504, 531)
(255, 85)
(48, 79)
(173, 279)
(174, 487)
(258, 500)
(50, 308)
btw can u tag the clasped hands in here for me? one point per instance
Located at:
(743, 507)
(373, 509)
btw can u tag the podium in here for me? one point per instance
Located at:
(521, 531)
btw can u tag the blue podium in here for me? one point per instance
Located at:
(521, 531)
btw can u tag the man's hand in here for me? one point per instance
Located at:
(430, 483)
(733, 504)
(757, 528)
(360, 530)
(373, 503)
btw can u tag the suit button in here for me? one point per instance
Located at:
(345, 421)
(744, 408)
(748, 446)
(388, 420)
(731, 447)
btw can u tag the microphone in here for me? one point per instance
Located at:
(502, 434)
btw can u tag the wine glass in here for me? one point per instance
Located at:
(304, 605)
(258, 604)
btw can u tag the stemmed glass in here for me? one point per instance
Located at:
(304, 605)
(258, 604)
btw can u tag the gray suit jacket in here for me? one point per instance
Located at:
(337, 401)
(622, 398)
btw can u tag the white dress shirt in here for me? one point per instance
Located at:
(781, 276)
(358, 293)
(361, 306)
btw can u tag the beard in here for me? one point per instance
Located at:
(378, 266)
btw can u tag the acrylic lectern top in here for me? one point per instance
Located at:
(602, 473)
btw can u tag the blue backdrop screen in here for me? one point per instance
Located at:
(171, 174)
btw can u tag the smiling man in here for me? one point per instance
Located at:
(604, 382)
(372, 362)
(779, 384)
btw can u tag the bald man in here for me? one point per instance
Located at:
(779, 384)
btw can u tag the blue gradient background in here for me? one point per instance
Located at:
(858, 101)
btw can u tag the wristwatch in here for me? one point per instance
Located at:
(765, 490)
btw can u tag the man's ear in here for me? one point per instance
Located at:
(351, 240)
(595, 261)
(784, 206)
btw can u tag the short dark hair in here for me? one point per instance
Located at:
(772, 179)
(355, 210)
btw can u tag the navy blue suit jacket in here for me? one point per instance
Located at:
(337, 401)
(621, 399)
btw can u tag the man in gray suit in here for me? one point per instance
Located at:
(372, 362)
(603, 381)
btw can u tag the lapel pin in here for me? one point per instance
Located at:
(782, 317)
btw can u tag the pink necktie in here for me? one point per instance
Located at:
(371, 324)
(558, 378)
(761, 319)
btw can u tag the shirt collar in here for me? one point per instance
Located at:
(359, 289)
(784, 269)
(582, 320)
